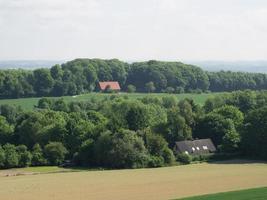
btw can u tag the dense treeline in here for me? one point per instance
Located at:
(82, 75)
(121, 133)
(232, 81)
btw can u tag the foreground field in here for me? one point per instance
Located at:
(162, 183)
(255, 194)
(29, 103)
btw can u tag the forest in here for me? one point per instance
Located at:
(82, 75)
(118, 132)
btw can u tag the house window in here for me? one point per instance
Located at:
(205, 148)
(193, 148)
(186, 152)
(198, 148)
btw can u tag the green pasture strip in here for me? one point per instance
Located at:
(29, 103)
(250, 194)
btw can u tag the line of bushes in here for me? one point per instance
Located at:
(12, 156)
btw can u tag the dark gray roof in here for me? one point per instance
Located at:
(195, 147)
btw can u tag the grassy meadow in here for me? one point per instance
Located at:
(255, 194)
(29, 103)
(140, 184)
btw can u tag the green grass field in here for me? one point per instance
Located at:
(29, 103)
(250, 194)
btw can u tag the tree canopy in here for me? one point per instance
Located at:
(82, 75)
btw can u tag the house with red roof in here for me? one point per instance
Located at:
(109, 85)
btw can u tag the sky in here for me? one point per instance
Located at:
(133, 29)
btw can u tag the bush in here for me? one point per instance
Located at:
(131, 88)
(12, 157)
(170, 90)
(184, 158)
(158, 147)
(202, 158)
(156, 161)
(150, 87)
(85, 156)
(109, 90)
(37, 156)
(179, 90)
(124, 149)
(25, 156)
(55, 153)
(168, 156)
(2, 157)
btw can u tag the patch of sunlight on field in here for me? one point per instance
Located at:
(140, 184)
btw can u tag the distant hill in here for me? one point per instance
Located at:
(235, 66)
(214, 66)
(28, 64)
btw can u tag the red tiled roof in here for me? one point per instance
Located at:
(113, 85)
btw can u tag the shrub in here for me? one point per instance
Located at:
(12, 157)
(202, 158)
(155, 161)
(25, 156)
(150, 87)
(37, 156)
(158, 147)
(131, 88)
(2, 157)
(55, 153)
(179, 90)
(184, 158)
(109, 90)
(169, 90)
(124, 149)
(168, 156)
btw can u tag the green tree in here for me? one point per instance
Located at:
(43, 81)
(6, 131)
(55, 153)
(231, 141)
(10, 112)
(41, 127)
(121, 150)
(150, 87)
(60, 105)
(24, 155)
(11, 155)
(45, 103)
(137, 117)
(158, 147)
(254, 136)
(79, 129)
(222, 131)
(91, 77)
(231, 112)
(38, 156)
(131, 88)
(59, 89)
(169, 101)
(184, 158)
(2, 157)
(86, 153)
(176, 128)
(56, 72)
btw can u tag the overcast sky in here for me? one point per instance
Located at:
(134, 29)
